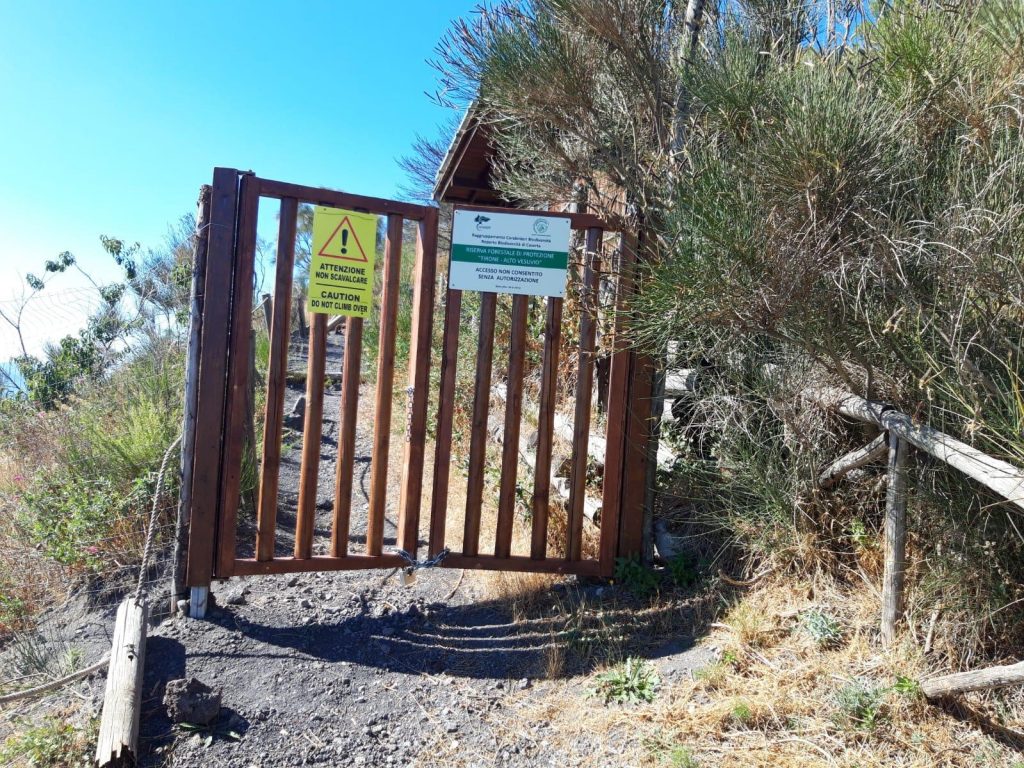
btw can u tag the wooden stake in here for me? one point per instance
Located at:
(895, 538)
(119, 723)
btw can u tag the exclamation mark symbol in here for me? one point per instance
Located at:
(344, 241)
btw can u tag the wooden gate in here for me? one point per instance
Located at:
(222, 399)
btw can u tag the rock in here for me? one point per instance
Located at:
(237, 596)
(190, 701)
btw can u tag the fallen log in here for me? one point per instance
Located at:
(975, 680)
(119, 723)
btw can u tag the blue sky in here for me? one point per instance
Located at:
(114, 113)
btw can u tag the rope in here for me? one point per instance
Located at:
(54, 684)
(151, 527)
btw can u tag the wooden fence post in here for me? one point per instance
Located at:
(895, 538)
(188, 428)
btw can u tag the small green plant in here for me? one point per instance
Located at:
(741, 713)
(54, 742)
(210, 732)
(682, 570)
(907, 686)
(822, 628)
(862, 540)
(630, 682)
(682, 757)
(632, 574)
(859, 704)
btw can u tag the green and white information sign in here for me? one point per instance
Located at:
(515, 253)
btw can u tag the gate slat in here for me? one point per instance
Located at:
(385, 386)
(312, 428)
(546, 429)
(238, 375)
(424, 274)
(513, 418)
(349, 410)
(210, 405)
(618, 390)
(445, 414)
(478, 436)
(584, 391)
(277, 369)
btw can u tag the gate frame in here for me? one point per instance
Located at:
(223, 391)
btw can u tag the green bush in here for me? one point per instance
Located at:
(79, 522)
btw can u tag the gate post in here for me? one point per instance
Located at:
(207, 448)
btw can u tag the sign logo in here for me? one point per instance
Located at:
(481, 221)
(343, 243)
(540, 226)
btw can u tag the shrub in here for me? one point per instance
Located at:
(859, 704)
(823, 629)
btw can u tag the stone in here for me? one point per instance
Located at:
(191, 701)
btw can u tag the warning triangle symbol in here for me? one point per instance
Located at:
(344, 244)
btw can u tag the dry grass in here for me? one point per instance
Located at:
(775, 698)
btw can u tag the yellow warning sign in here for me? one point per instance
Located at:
(341, 267)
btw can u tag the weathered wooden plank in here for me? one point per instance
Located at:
(513, 419)
(210, 406)
(312, 432)
(541, 501)
(277, 369)
(478, 434)
(445, 414)
(117, 742)
(424, 279)
(335, 199)
(385, 386)
(238, 374)
(973, 680)
(894, 574)
(347, 423)
(584, 388)
(252, 567)
(995, 474)
(191, 399)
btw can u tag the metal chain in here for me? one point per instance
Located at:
(154, 513)
(415, 565)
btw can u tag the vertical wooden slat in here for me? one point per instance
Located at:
(895, 538)
(546, 429)
(638, 436)
(277, 370)
(618, 391)
(238, 373)
(385, 386)
(635, 458)
(513, 418)
(424, 272)
(309, 472)
(445, 414)
(584, 390)
(349, 415)
(478, 435)
(212, 370)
